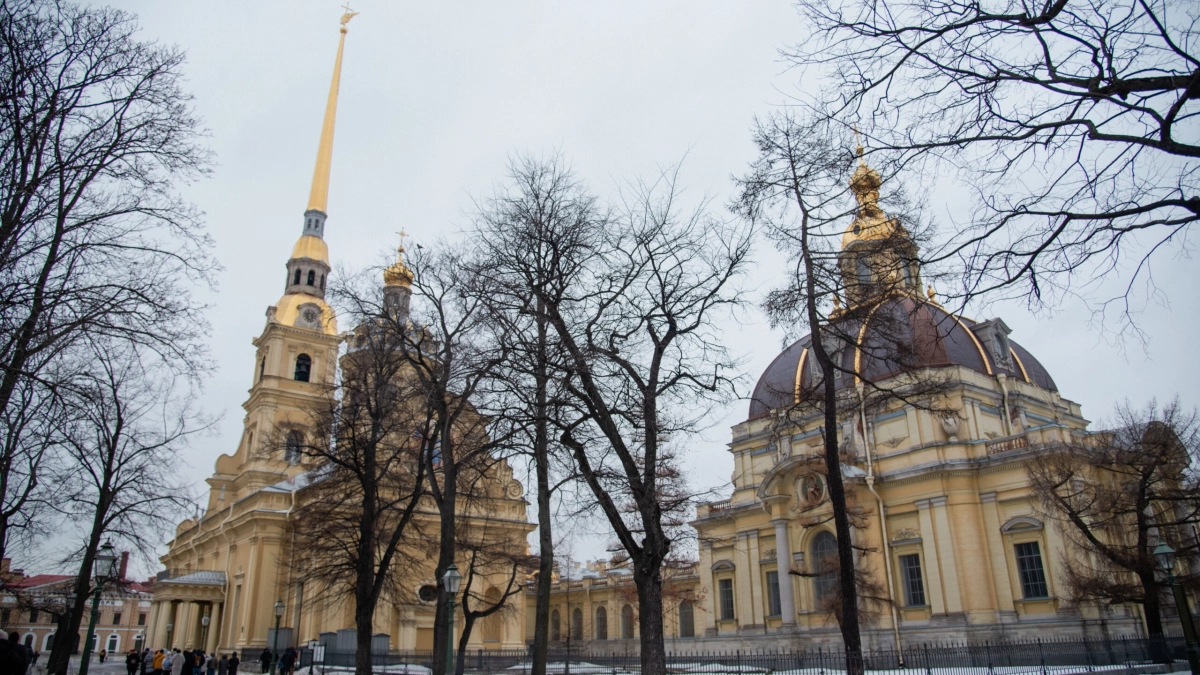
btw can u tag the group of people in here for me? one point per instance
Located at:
(15, 658)
(176, 662)
(287, 661)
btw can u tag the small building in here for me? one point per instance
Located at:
(30, 606)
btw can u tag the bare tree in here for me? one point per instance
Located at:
(95, 134)
(867, 353)
(364, 442)
(638, 323)
(130, 418)
(1073, 123)
(542, 215)
(1119, 495)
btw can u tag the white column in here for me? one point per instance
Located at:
(783, 556)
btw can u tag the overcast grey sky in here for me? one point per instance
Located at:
(435, 98)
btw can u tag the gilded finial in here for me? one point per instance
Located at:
(858, 146)
(350, 14)
(398, 273)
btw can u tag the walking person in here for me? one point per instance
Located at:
(223, 665)
(147, 661)
(233, 663)
(156, 664)
(210, 664)
(265, 660)
(132, 662)
(176, 662)
(103, 653)
(287, 661)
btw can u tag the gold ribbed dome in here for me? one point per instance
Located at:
(870, 223)
(311, 247)
(398, 274)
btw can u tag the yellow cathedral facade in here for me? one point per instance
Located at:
(226, 569)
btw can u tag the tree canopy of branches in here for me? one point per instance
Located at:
(633, 303)
(1117, 497)
(364, 442)
(1074, 124)
(95, 135)
(129, 418)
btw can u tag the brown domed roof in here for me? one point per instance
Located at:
(901, 334)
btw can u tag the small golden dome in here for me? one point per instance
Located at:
(311, 247)
(398, 273)
(870, 223)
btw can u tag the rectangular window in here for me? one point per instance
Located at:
(33, 616)
(116, 618)
(773, 605)
(141, 619)
(726, 588)
(1029, 567)
(914, 585)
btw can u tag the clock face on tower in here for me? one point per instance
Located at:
(309, 316)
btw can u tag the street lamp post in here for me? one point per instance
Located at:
(451, 580)
(102, 570)
(279, 607)
(170, 627)
(1166, 559)
(204, 621)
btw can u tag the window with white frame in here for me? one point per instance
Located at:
(914, 584)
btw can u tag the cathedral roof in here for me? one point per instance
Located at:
(904, 333)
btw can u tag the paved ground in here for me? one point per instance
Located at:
(109, 667)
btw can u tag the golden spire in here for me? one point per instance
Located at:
(398, 273)
(318, 197)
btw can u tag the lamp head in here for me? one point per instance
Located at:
(452, 579)
(279, 607)
(1166, 557)
(106, 562)
(204, 620)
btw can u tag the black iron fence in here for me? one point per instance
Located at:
(1036, 657)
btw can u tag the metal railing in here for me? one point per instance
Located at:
(1034, 657)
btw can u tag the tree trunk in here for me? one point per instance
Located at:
(541, 446)
(446, 550)
(67, 638)
(468, 626)
(650, 617)
(364, 611)
(851, 637)
(1151, 605)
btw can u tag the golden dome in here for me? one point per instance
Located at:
(311, 247)
(288, 312)
(870, 223)
(398, 274)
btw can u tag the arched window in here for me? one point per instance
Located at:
(303, 368)
(909, 280)
(48, 644)
(312, 278)
(577, 624)
(601, 623)
(555, 629)
(295, 441)
(492, 626)
(29, 640)
(114, 641)
(687, 620)
(262, 368)
(862, 270)
(824, 560)
(627, 623)
(297, 279)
